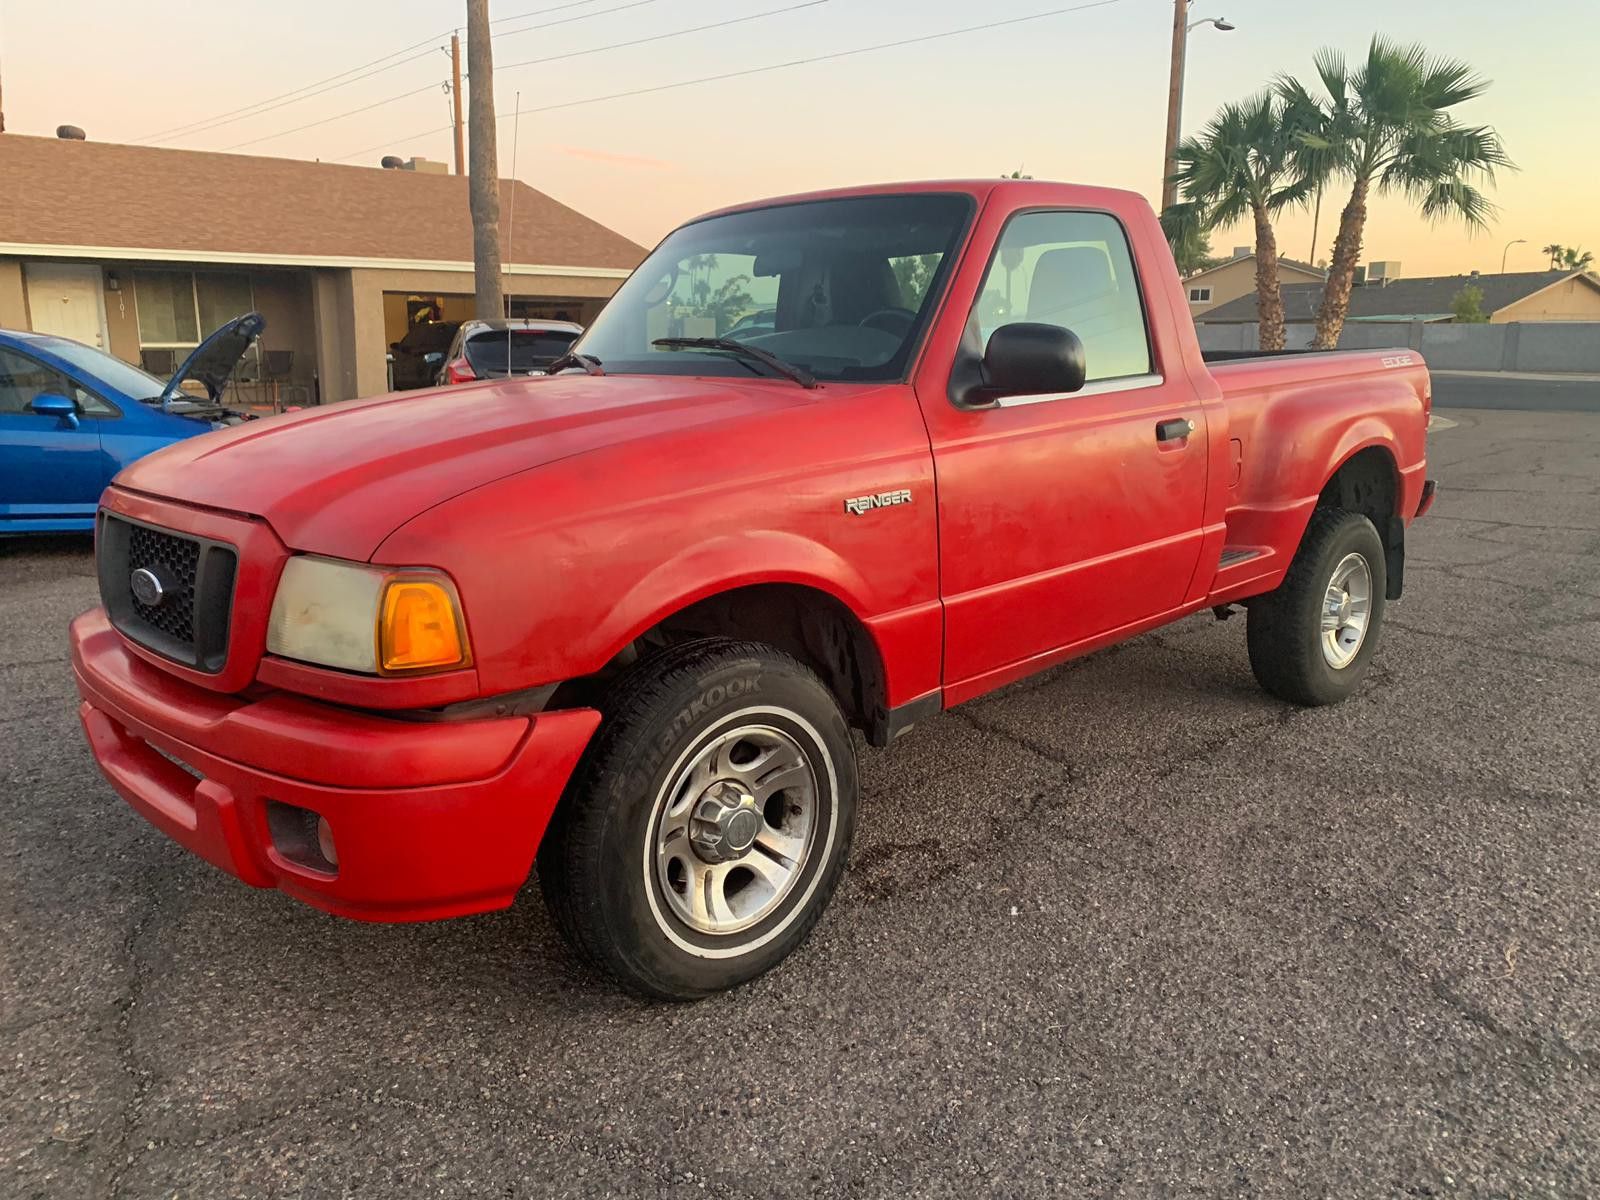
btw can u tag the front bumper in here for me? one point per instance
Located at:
(429, 819)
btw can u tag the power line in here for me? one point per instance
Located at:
(428, 53)
(817, 58)
(539, 12)
(659, 37)
(551, 58)
(364, 71)
(427, 87)
(569, 20)
(748, 71)
(239, 114)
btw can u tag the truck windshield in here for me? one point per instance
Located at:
(840, 288)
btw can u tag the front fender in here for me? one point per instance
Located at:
(723, 563)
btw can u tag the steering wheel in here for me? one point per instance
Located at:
(894, 321)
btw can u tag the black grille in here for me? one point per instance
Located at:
(175, 561)
(189, 622)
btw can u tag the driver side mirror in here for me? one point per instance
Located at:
(433, 358)
(49, 404)
(1029, 359)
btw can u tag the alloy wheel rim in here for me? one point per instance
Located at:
(734, 829)
(1346, 611)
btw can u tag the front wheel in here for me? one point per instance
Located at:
(1312, 639)
(709, 823)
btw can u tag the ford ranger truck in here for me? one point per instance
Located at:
(622, 620)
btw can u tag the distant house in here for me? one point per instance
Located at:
(141, 251)
(1521, 296)
(1227, 281)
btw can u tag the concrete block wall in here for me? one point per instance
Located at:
(1558, 347)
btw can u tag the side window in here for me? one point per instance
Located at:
(22, 378)
(1071, 269)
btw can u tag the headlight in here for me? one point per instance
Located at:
(377, 620)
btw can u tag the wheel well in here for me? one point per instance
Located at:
(811, 625)
(1369, 483)
(1366, 483)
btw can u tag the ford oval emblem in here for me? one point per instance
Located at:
(146, 587)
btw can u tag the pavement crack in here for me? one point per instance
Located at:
(125, 1153)
(1508, 651)
(1029, 744)
(1542, 1049)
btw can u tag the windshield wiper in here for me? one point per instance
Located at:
(751, 353)
(571, 358)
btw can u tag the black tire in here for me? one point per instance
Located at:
(600, 869)
(1285, 626)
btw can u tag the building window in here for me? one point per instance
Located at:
(1199, 295)
(178, 308)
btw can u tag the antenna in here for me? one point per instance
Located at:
(511, 223)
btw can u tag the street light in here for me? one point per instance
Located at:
(1181, 26)
(1507, 250)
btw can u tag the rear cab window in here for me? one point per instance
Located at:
(1074, 270)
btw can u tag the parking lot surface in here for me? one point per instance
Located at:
(1131, 928)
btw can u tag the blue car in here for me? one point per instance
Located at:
(72, 416)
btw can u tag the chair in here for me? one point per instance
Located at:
(277, 370)
(160, 363)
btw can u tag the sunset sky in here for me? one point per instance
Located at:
(1077, 96)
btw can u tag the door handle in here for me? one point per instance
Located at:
(1174, 430)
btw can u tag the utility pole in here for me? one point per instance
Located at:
(1169, 159)
(455, 101)
(484, 185)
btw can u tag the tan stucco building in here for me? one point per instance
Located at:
(142, 251)
(1514, 296)
(1574, 297)
(1237, 277)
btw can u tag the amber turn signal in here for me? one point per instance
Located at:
(420, 628)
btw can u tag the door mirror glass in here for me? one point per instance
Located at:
(1026, 358)
(433, 358)
(49, 404)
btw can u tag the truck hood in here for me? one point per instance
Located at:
(338, 479)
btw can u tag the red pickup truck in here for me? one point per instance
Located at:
(825, 463)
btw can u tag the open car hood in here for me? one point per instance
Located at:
(212, 362)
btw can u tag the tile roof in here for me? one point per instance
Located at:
(101, 194)
(1283, 260)
(1423, 298)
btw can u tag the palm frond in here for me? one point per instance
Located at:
(1294, 194)
(1183, 220)
(1447, 82)
(1335, 75)
(1457, 198)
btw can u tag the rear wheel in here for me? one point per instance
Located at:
(709, 823)
(1312, 639)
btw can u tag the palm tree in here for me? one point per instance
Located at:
(1246, 162)
(1574, 259)
(1386, 125)
(1554, 250)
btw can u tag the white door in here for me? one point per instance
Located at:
(66, 299)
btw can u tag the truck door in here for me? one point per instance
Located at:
(1065, 517)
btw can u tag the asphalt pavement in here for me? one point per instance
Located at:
(1130, 928)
